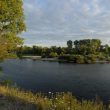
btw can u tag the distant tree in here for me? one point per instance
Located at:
(80, 59)
(53, 54)
(106, 49)
(59, 50)
(34, 50)
(70, 46)
(87, 46)
(45, 52)
(91, 58)
(11, 24)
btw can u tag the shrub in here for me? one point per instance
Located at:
(53, 54)
(90, 58)
(101, 57)
(108, 59)
(80, 59)
(67, 57)
(44, 55)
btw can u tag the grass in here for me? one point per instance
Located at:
(15, 99)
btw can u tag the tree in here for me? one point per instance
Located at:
(87, 46)
(106, 49)
(70, 46)
(80, 59)
(11, 24)
(53, 54)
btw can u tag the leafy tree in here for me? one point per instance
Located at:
(59, 51)
(87, 46)
(53, 54)
(91, 58)
(67, 57)
(70, 46)
(11, 24)
(106, 49)
(53, 48)
(80, 59)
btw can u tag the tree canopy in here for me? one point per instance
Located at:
(70, 44)
(11, 25)
(87, 46)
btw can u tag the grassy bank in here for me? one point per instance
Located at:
(15, 99)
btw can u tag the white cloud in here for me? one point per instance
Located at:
(64, 19)
(96, 7)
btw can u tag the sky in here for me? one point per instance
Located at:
(53, 22)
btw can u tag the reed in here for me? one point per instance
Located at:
(58, 101)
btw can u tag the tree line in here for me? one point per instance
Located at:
(86, 50)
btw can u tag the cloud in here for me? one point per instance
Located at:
(53, 21)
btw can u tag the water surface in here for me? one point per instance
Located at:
(83, 80)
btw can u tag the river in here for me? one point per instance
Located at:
(83, 80)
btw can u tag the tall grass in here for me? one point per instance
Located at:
(58, 101)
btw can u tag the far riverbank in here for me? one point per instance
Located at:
(56, 59)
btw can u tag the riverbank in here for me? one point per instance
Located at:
(56, 59)
(32, 57)
(15, 99)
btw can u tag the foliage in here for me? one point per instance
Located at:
(70, 46)
(108, 59)
(101, 57)
(58, 101)
(91, 58)
(80, 59)
(6, 82)
(67, 57)
(53, 54)
(84, 51)
(11, 24)
(87, 46)
(42, 51)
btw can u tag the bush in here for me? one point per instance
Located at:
(53, 55)
(67, 57)
(108, 59)
(72, 58)
(101, 57)
(80, 59)
(90, 58)
(44, 55)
